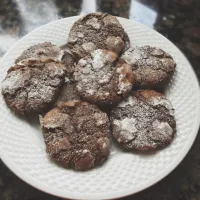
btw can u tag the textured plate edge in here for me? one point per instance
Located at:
(35, 30)
(36, 184)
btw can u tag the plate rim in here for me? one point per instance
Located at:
(113, 195)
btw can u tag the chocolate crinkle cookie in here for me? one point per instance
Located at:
(76, 135)
(144, 121)
(103, 79)
(152, 66)
(42, 51)
(97, 31)
(31, 86)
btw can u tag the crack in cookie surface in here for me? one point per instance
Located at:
(145, 121)
(32, 86)
(151, 66)
(102, 78)
(77, 134)
(41, 51)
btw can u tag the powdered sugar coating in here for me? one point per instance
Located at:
(14, 80)
(100, 58)
(98, 31)
(162, 102)
(42, 51)
(32, 86)
(143, 121)
(127, 128)
(123, 84)
(151, 66)
(102, 79)
(76, 135)
(162, 130)
(128, 101)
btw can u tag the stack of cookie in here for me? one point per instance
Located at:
(97, 89)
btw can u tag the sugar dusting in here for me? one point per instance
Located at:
(88, 46)
(127, 128)
(150, 64)
(163, 129)
(43, 51)
(132, 55)
(81, 131)
(59, 56)
(13, 81)
(128, 102)
(124, 84)
(94, 75)
(94, 23)
(32, 86)
(100, 58)
(139, 124)
(163, 102)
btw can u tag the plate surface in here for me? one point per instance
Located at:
(22, 147)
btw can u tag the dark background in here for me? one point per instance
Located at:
(178, 20)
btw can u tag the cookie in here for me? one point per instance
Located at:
(33, 85)
(144, 121)
(102, 79)
(97, 31)
(41, 51)
(151, 66)
(76, 135)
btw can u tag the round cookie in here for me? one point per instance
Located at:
(32, 85)
(102, 79)
(144, 121)
(97, 31)
(77, 135)
(41, 51)
(151, 66)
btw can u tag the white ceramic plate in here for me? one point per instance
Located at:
(22, 147)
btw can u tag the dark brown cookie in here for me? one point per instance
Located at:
(42, 51)
(32, 85)
(77, 135)
(102, 79)
(145, 121)
(151, 66)
(97, 31)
